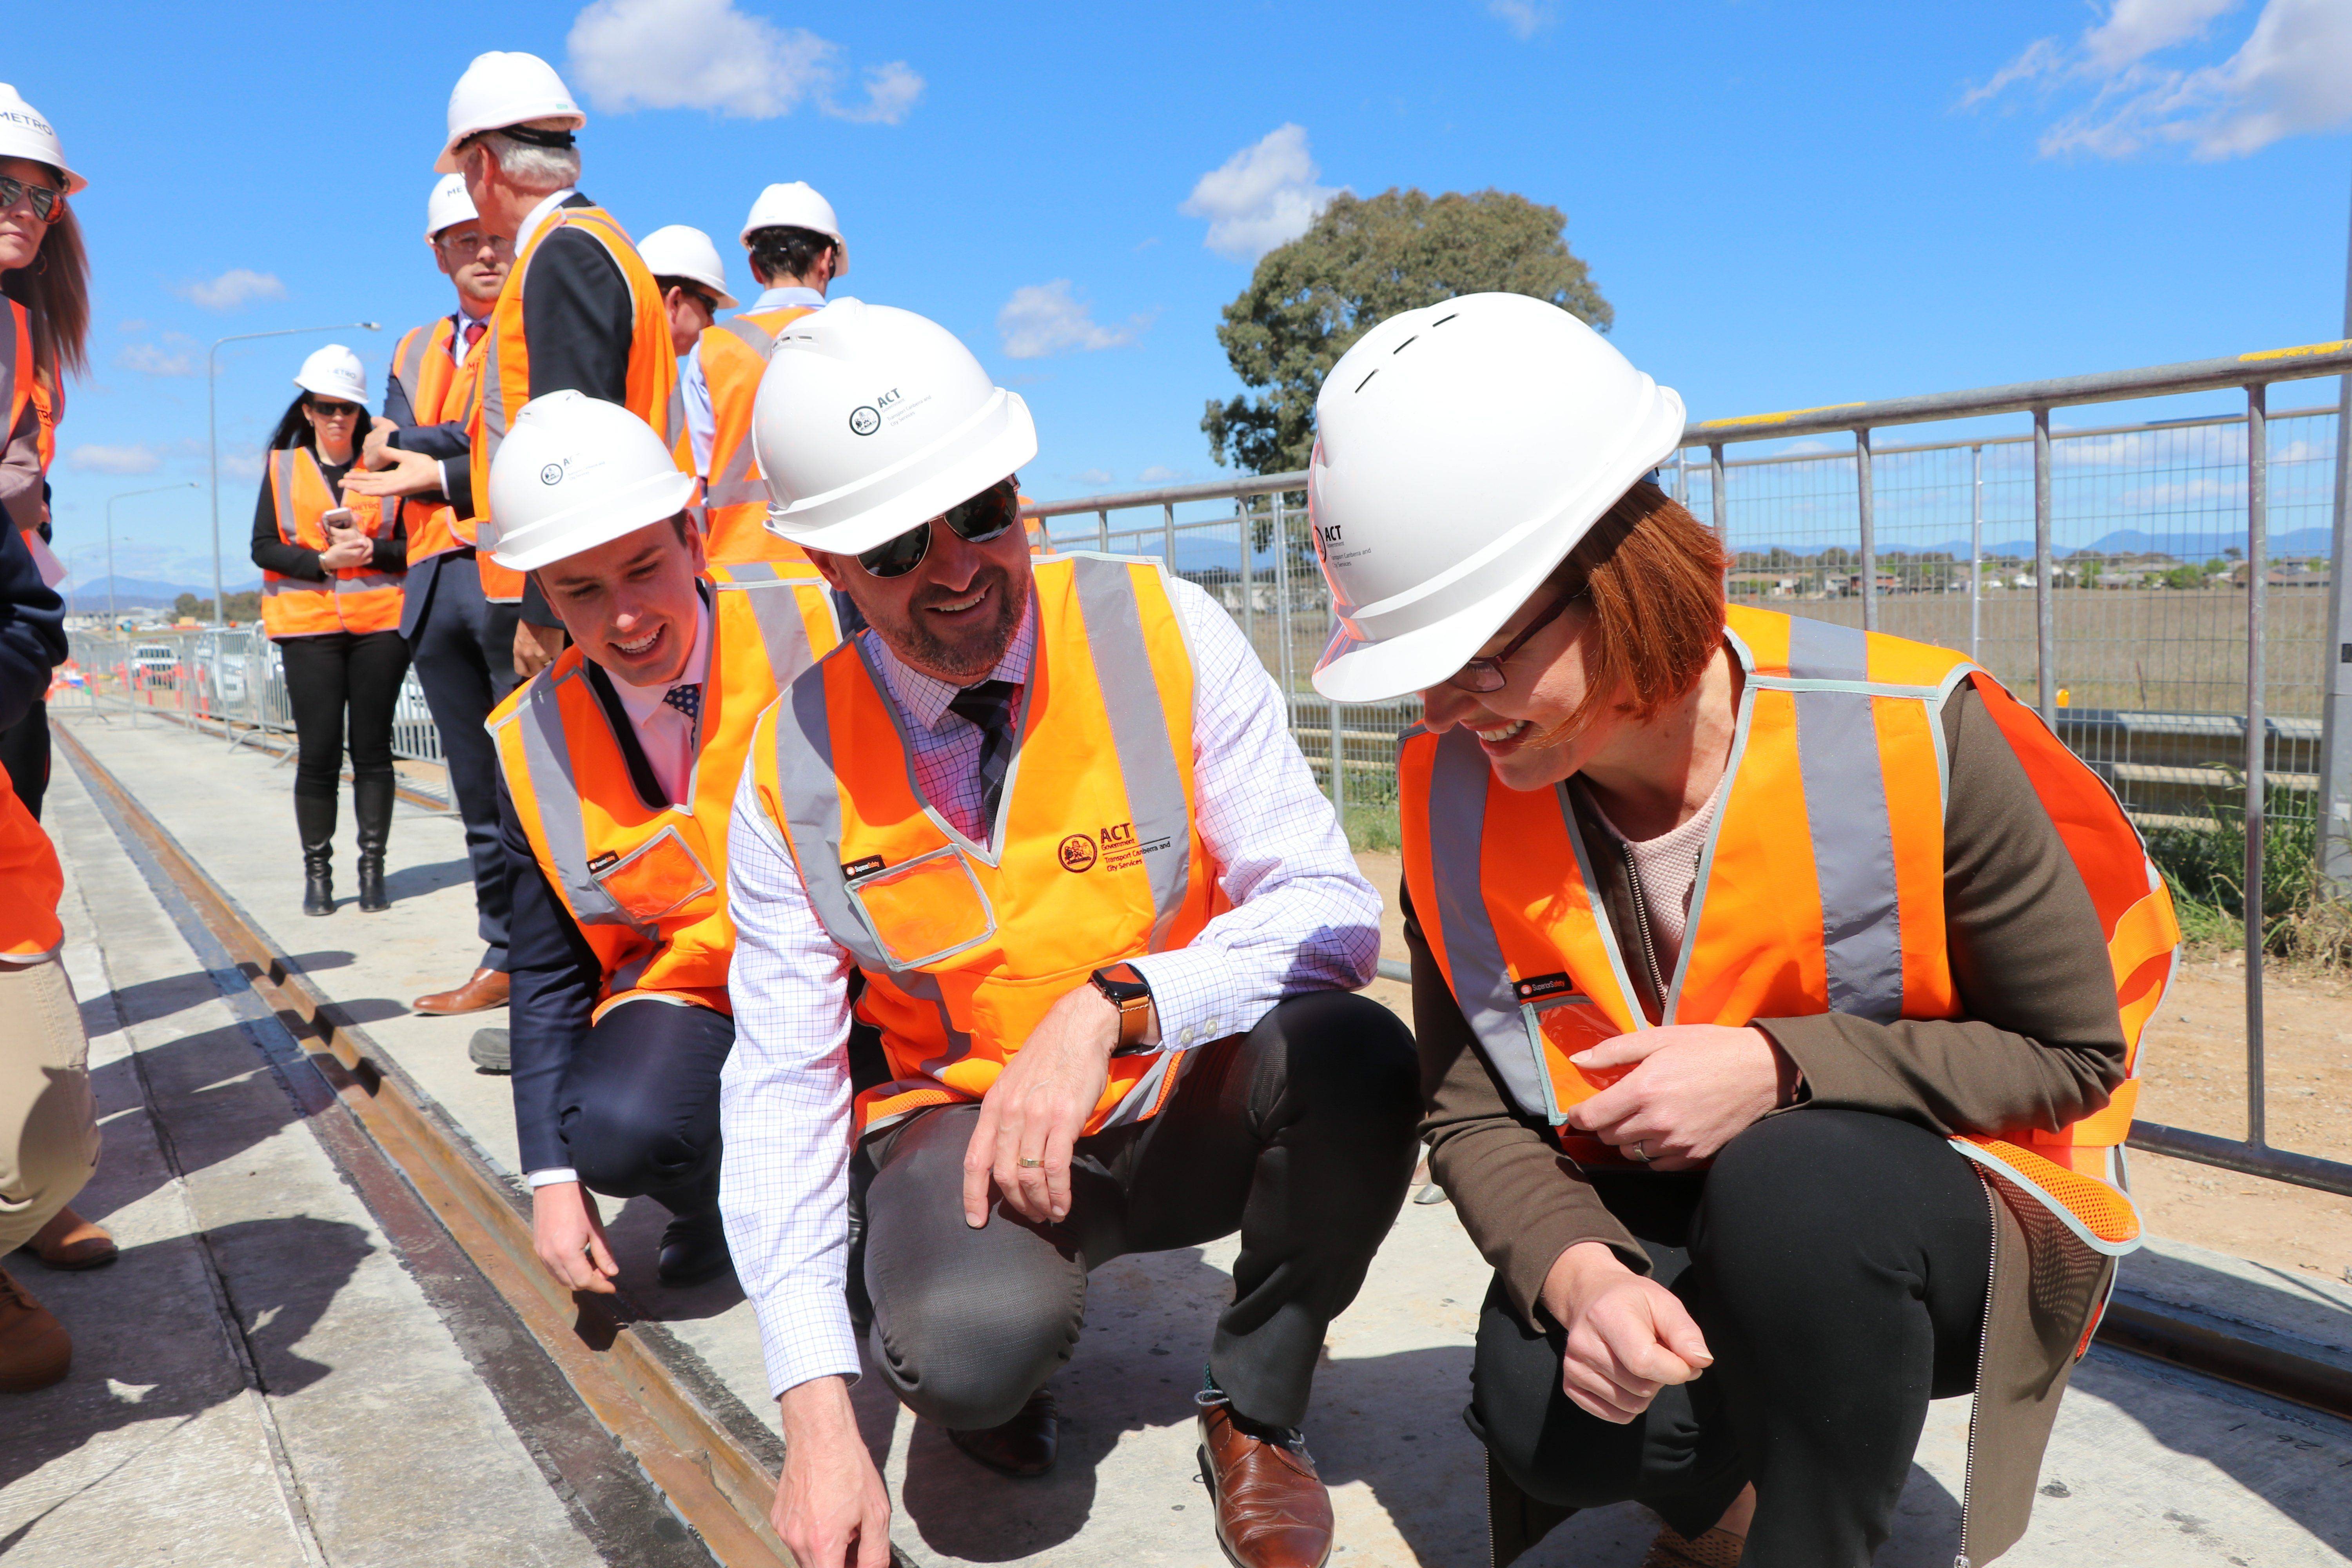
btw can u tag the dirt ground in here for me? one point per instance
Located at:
(2193, 1064)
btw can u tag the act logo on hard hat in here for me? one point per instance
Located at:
(552, 475)
(864, 420)
(1462, 450)
(602, 473)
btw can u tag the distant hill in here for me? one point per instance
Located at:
(136, 593)
(2192, 547)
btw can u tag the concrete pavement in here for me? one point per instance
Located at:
(2149, 1465)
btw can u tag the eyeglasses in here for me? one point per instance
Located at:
(48, 204)
(326, 410)
(1487, 674)
(469, 242)
(984, 517)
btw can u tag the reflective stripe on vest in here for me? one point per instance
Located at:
(736, 497)
(504, 384)
(964, 945)
(441, 390)
(644, 884)
(1838, 725)
(18, 383)
(356, 599)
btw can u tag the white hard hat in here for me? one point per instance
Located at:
(870, 420)
(797, 205)
(447, 206)
(334, 372)
(25, 135)
(575, 472)
(1461, 452)
(677, 251)
(502, 89)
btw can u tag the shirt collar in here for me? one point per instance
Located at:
(925, 698)
(642, 702)
(537, 215)
(788, 295)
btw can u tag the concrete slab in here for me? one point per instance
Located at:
(258, 1380)
(2149, 1465)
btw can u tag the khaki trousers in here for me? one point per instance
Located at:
(48, 1123)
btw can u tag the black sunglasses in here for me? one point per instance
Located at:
(326, 410)
(984, 517)
(48, 202)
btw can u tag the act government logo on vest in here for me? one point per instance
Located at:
(1115, 848)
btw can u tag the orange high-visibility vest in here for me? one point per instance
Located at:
(21, 387)
(30, 882)
(440, 390)
(1820, 888)
(353, 599)
(1095, 856)
(734, 356)
(1040, 543)
(646, 882)
(503, 383)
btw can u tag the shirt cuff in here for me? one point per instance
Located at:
(1191, 992)
(551, 1175)
(805, 1335)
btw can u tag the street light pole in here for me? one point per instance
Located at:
(212, 435)
(126, 494)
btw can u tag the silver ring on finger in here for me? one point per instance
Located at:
(1641, 1153)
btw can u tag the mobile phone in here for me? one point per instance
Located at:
(339, 518)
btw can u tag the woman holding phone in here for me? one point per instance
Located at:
(1776, 982)
(331, 587)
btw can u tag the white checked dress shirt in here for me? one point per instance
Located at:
(1303, 919)
(665, 734)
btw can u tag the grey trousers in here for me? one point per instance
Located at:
(1298, 1134)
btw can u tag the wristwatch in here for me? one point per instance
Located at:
(1128, 990)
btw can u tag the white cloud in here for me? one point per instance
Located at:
(1043, 319)
(1525, 18)
(237, 286)
(1265, 195)
(706, 54)
(149, 360)
(1158, 474)
(137, 459)
(1093, 478)
(2286, 79)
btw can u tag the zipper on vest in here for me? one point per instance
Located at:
(1984, 1338)
(1642, 919)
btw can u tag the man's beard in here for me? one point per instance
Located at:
(914, 641)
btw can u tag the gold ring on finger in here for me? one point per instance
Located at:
(1026, 1163)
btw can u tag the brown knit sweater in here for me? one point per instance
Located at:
(2038, 1042)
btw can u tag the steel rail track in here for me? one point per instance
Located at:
(710, 1458)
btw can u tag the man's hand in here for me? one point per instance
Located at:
(403, 474)
(349, 550)
(831, 1508)
(569, 1239)
(1035, 1108)
(1693, 1089)
(1628, 1336)
(535, 647)
(379, 441)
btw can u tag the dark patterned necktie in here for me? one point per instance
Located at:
(988, 707)
(686, 699)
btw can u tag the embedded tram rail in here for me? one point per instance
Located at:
(661, 1459)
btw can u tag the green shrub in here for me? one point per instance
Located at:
(2205, 868)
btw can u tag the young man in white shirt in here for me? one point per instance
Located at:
(1051, 813)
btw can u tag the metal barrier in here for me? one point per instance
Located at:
(1867, 536)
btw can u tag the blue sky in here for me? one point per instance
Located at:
(1787, 203)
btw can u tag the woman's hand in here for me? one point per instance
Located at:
(404, 473)
(349, 550)
(569, 1238)
(1036, 1107)
(1628, 1336)
(1693, 1089)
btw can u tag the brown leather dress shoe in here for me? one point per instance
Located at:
(69, 1242)
(488, 988)
(1716, 1547)
(34, 1349)
(1024, 1446)
(1272, 1510)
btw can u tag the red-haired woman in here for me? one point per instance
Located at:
(1776, 982)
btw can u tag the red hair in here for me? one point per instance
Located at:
(1652, 576)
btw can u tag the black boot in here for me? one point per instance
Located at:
(314, 820)
(372, 803)
(694, 1243)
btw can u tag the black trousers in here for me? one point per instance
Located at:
(332, 674)
(639, 1106)
(463, 649)
(1837, 1263)
(24, 753)
(1299, 1134)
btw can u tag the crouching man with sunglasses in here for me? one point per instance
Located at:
(617, 764)
(1051, 813)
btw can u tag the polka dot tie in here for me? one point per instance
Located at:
(686, 698)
